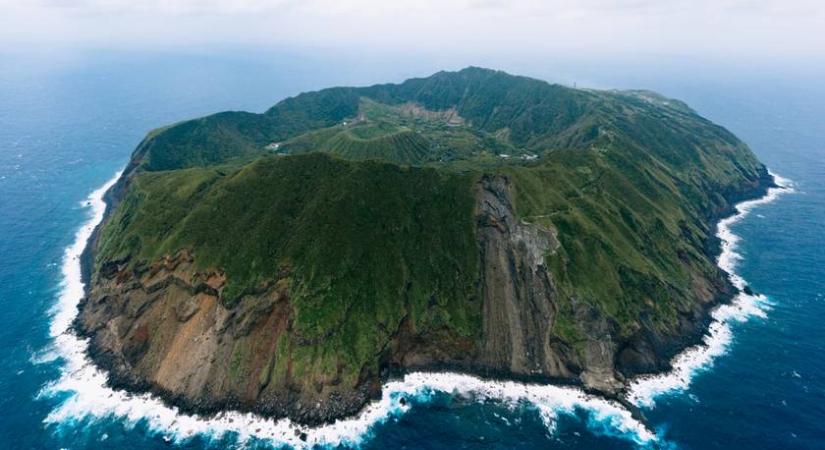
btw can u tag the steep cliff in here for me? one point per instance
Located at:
(288, 263)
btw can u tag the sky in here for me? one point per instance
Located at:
(783, 31)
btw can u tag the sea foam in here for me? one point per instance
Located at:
(644, 390)
(90, 398)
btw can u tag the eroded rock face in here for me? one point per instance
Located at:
(165, 329)
(516, 289)
(520, 301)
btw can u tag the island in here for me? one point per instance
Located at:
(290, 262)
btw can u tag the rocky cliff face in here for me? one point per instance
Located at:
(164, 329)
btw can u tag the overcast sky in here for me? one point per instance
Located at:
(781, 30)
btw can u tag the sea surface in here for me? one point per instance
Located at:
(69, 121)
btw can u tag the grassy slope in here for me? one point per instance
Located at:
(362, 244)
(627, 179)
(632, 209)
(527, 113)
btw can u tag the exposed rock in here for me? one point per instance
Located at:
(159, 331)
(516, 288)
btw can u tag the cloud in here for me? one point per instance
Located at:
(723, 28)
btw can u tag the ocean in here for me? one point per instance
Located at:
(68, 122)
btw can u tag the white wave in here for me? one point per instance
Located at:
(90, 398)
(44, 356)
(644, 390)
(72, 288)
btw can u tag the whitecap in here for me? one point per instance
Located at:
(44, 356)
(645, 389)
(92, 399)
(89, 398)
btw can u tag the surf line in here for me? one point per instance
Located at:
(90, 398)
(644, 390)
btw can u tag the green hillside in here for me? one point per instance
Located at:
(363, 201)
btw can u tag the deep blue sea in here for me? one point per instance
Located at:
(69, 121)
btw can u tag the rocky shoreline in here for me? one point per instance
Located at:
(693, 335)
(692, 330)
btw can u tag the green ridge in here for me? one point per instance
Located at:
(366, 203)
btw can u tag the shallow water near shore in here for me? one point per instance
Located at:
(70, 128)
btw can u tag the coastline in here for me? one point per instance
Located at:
(549, 399)
(644, 389)
(715, 248)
